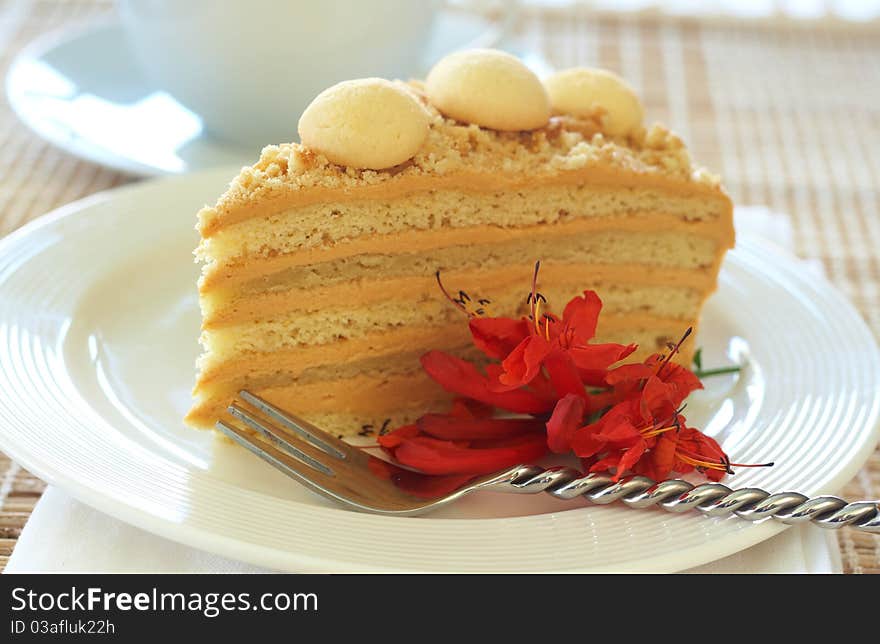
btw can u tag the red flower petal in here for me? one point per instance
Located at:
(607, 462)
(585, 444)
(621, 433)
(629, 458)
(568, 416)
(658, 400)
(696, 442)
(393, 438)
(564, 375)
(600, 400)
(682, 379)
(615, 426)
(524, 362)
(420, 485)
(452, 428)
(661, 459)
(461, 377)
(543, 388)
(715, 475)
(581, 315)
(628, 374)
(467, 408)
(497, 337)
(433, 456)
(593, 360)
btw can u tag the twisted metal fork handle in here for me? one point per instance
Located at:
(676, 495)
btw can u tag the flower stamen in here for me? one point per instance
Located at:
(674, 349)
(723, 464)
(536, 314)
(709, 465)
(534, 295)
(655, 432)
(464, 302)
(458, 304)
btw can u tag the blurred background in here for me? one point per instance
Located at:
(782, 98)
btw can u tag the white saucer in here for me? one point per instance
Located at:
(100, 318)
(82, 90)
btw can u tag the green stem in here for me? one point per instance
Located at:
(716, 372)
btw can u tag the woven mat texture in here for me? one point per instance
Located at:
(788, 114)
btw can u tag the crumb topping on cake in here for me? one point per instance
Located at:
(566, 143)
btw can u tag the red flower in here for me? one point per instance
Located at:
(629, 420)
(651, 395)
(665, 379)
(561, 347)
(695, 450)
(619, 438)
(465, 442)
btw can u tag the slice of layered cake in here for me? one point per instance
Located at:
(319, 289)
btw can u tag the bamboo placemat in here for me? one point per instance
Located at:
(788, 114)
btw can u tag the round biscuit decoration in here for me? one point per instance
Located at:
(369, 123)
(580, 90)
(489, 88)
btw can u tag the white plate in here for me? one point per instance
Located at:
(82, 89)
(98, 327)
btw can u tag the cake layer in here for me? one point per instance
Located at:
(326, 223)
(340, 422)
(223, 309)
(347, 321)
(650, 333)
(366, 391)
(667, 244)
(419, 243)
(438, 241)
(365, 395)
(259, 371)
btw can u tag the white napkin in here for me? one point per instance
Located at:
(64, 535)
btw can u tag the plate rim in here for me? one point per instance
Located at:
(269, 556)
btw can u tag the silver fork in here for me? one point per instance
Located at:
(334, 469)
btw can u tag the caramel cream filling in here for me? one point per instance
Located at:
(421, 241)
(277, 197)
(220, 311)
(410, 339)
(367, 395)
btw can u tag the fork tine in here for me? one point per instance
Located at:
(317, 480)
(351, 484)
(297, 447)
(317, 437)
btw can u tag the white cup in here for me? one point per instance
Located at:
(248, 68)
